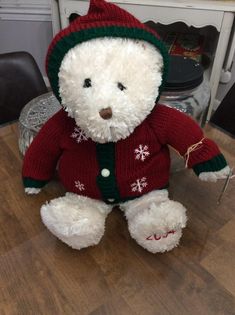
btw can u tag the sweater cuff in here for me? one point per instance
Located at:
(34, 183)
(217, 163)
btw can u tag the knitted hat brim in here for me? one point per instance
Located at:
(60, 49)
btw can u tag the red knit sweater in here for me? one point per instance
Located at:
(118, 171)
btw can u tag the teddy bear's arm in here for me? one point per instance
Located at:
(186, 137)
(42, 156)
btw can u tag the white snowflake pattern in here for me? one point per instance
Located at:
(141, 152)
(79, 185)
(79, 135)
(139, 184)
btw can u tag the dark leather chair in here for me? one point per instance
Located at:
(20, 82)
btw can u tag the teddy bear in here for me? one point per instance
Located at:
(110, 140)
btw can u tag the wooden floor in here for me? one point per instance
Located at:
(40, 275)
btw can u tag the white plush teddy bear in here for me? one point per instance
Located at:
(110, 140)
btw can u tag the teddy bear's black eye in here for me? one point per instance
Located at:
(87, 83)
(121, 86)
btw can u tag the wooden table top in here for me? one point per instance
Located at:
(41, 275)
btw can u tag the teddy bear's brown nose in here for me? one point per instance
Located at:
(106, 113)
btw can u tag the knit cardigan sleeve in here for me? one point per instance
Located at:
(43, 154)
(178, 130)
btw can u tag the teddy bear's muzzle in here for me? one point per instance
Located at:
(106, 113)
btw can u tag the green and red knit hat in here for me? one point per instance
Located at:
(102, 20)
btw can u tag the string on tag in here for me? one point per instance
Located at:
(191, 149)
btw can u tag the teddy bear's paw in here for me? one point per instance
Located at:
(32, 191)
(159, 227)
(213, 176)
(77, 221)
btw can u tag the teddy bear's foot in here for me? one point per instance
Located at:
(76, 220)
(155, 222)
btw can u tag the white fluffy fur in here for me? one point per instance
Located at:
(155, 214)
(213, 176)
(136, 64)
(131, 208)
(32, 191)
(77, 221)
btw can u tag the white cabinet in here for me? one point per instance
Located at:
(197, 13)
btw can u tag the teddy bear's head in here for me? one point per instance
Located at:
(110, 85)
(107, 69)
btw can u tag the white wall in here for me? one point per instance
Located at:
(26, 26)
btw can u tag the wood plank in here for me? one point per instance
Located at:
(41, 275)
(110, 308)
(28, 286)
(220, 263)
